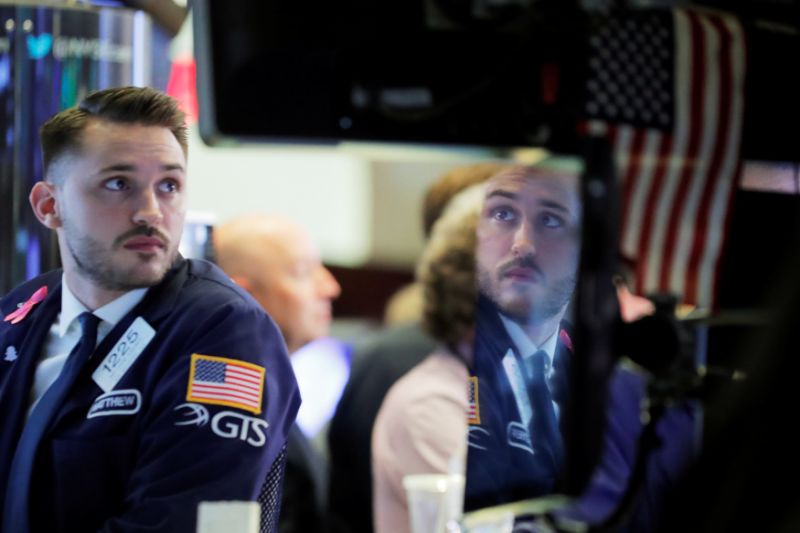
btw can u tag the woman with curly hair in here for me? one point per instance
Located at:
(422, 424)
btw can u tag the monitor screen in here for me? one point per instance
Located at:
(412, 72)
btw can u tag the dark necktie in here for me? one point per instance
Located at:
(15, 516)
(545, 434)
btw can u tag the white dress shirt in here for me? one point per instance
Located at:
(65, 333)
(526, 348)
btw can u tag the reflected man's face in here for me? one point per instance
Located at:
(529, 242)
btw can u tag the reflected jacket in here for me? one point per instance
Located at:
(501, 467)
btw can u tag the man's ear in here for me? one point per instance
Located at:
(43, 202)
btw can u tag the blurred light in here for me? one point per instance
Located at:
(322, 368)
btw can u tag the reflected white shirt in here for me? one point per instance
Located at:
(526, 348)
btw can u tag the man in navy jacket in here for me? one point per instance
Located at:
(188, 395)
(527, 265)
(528, 244)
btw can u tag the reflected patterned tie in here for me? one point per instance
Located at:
(15, 516)
(545, 434)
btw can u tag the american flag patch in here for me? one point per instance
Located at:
(223, 381)
(473, 407)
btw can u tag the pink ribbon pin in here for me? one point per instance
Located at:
(565, 340)
(25, 308)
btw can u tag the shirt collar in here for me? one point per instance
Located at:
(110, 313)
(525, 346)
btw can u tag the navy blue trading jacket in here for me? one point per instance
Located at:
(664, 467)
(500, 463)
(146, 466)
(500, 468)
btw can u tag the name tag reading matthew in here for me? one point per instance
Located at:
(128, 348)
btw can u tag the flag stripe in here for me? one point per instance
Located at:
(731, 169)
(228, 386)
(681, 276)
(225, 395)
(695, 69)
(244, 375)
(663, 160)
(244, 371)
(204, 389)
(200, 390)
(647, 161)
(691, 252)
(246, 383)
(635, 140)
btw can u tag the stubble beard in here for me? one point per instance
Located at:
(528, 310)
(95, 263)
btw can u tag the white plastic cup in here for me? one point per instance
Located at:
(434, 501)
(228, 517)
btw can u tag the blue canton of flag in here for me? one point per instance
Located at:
(631, 78)
(210, 371)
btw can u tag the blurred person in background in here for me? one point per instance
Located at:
(506, 264)
(421, 426)
(528, 240)
(378, 362)
(276, 261)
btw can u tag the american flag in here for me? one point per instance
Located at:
(222, 381)
(473, 407)
(667, 88)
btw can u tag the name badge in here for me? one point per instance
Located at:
(121, 402)
(128, 348)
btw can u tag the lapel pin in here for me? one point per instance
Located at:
(11, 354)
(565, 340)
(24, 308)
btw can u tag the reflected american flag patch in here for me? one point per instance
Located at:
(223, 381)
(473, 407)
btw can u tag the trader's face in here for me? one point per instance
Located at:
(529, 242)
(118, 204)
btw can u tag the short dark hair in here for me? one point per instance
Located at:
(62, 132)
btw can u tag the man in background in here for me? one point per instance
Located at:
(421, 427)
(276, 261)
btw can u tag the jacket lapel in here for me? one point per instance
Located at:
(26, 338)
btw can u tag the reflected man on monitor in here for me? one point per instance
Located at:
(528, 248)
